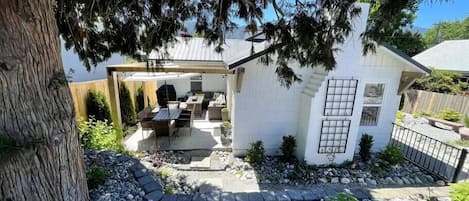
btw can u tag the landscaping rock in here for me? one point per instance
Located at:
(441, 183)
(344, 180)
(334, 180)
(371, 182)
(122, 184)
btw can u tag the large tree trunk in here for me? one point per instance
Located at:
(40, 156)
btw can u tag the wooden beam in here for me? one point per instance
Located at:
(407, 79)
(239, 79)
(114, 98)
(210, 68)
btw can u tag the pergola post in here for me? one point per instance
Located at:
(114, 97)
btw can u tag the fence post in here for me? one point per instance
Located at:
(461, 161)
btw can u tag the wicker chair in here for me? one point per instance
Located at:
(186, 119)
(145, 117)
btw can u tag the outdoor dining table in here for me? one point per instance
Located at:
(167, 114)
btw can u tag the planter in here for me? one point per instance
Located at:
(464, 133)
(225, 135)
(225, 115)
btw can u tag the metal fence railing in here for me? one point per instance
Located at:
(441, 159)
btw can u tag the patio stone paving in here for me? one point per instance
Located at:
(205, 134)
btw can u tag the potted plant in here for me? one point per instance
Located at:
(225, 114)
(225, 131)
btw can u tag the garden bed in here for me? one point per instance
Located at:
(274, 173)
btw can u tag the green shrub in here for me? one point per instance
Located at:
(139, 100)
(419, 114)
(97, 106)
(450, 115)
(342, 197)
(466, 121)
(255, 155)
(226, 124)
(399, 117)
(462, 143)
(97, 176)
(459, 191)
(288, 148)
(127, 108)
(170, 190)
(99, 135)
(392, 154)
(164, 173)
(366, 142)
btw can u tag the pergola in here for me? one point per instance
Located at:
(202, 67)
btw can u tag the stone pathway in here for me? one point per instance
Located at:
(395, 194)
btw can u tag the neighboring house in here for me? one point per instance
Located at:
(450, 55)
(327, 111)
(76, 71)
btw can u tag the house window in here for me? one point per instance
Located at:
(196, 83)
(334, 135)
(373, 98)
(340, 97)
(370, 116)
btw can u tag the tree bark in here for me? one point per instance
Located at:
(40, 155)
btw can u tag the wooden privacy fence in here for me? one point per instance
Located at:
(79, 92)
(417, 100)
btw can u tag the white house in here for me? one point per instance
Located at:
(327, 112)
(450, 55)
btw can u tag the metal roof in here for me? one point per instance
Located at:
(452, 55)
(238, 51)
(197, 49)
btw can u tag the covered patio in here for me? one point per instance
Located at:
(202, 132)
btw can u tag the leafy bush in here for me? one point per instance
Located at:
(366, 142)
(342, 197)
(399, 117)
(255, 155)
(288, 148)
(170, 190)
(460, 191)
(450, 115)
(99, 135)
(442, 82)
(97, 176)
(226, 124)
(164, 173)
(392, 154)
(127, 108)
(139, 100)
(97, 106)
(466, 121)
(419, 114)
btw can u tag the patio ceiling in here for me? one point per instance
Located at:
(149, 76)
(208, 67)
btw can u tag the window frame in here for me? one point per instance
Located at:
(378, 105)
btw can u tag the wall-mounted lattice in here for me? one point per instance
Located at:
(340, 97)
(334, 135)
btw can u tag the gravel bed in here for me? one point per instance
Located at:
(121, 185)
(277, 174)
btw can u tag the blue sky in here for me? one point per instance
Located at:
(432, 13)
(428, 13)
